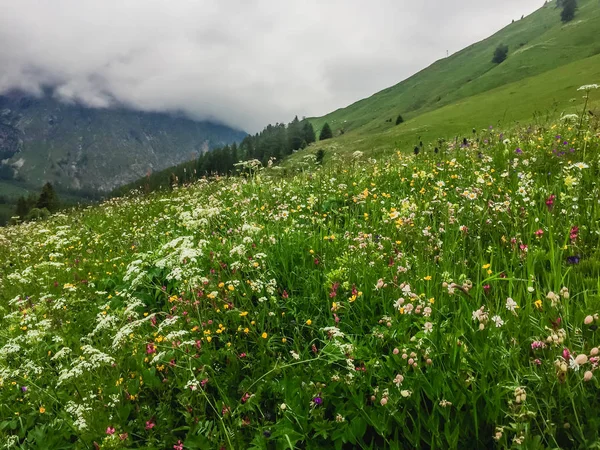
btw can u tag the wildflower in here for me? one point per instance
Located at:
(588, 375)
(318, 401)
(536, 345)
(520, 395)
(294, 354)
(110, 431)
(264, 335)
(573, 364)
(309, 322)
(398, 380)
(553, 298)
(588, 320)
(150, 424)
(511, 305)
(570, 181)
(498, 321)
(178, 446)
(428, 327)
(380, 284)
(573, 234)
(588, 87)
(42, 410)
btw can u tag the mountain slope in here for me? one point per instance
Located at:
(537, 43)
(95, 149)
(534, 100)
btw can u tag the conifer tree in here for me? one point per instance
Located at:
(309, 132)
(48, 198)
(22, 208)
(325, 132)
(295, 135)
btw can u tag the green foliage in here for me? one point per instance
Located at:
(326, 132)
(48, 199)
(272, 144)
(319, 156)
(500, 54)
(402, 302)
(309, 132)
(568, 10)
(38, 214)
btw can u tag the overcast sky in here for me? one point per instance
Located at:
(244, 63)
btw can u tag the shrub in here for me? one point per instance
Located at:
(568, 12)
(500, 54)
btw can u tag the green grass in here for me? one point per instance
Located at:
(537, 100)
(447, 300)
(546, 45)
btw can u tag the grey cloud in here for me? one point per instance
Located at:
(242, 63)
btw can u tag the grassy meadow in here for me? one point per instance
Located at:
(446, 299)
(537, 44)
(530, 100)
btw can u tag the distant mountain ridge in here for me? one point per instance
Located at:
(89, 149)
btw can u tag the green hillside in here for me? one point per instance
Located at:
(438, 301)
(537, 44)
(530, 100)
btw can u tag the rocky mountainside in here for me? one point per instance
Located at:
(85, 149)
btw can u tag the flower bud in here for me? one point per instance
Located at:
(588, 375)
(588, 320)
(581, 359)
(383, 401)
(594, 351)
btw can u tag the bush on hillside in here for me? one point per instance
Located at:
(500, 54)
(568, 12)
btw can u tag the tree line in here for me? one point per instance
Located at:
(38, 206)
(273, 143)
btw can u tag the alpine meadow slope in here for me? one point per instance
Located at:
(537, 43)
